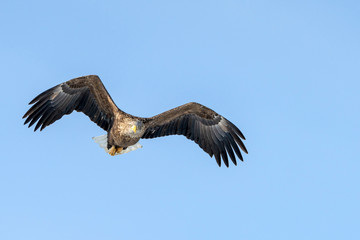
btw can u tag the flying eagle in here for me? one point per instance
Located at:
(212, 132)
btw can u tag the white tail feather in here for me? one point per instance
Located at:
(102, 141)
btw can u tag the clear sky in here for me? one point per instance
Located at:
(285, 72)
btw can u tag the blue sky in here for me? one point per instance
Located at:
(285, 72)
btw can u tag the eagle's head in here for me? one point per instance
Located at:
(137, 127)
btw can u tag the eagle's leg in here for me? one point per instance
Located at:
(119, 149)
(114, 150)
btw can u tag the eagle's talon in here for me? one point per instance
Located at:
(112, 150)
(115, 150)
(118, 149)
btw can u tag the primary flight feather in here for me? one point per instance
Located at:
(212, 132)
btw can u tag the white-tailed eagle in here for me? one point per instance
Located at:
(212, 132)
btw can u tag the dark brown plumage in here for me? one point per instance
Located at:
(212, 132)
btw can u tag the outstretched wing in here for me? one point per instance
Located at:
(212, 132)
(85, 94)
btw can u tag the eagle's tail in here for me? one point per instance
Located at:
(102, 141)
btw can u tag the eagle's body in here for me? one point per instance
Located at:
(124, 124)
(214, 134)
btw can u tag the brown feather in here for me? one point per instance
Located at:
(212, 132)
(84, 94)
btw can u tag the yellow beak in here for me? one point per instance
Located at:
(134, 128)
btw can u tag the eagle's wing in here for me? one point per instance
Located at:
(85, 94)
(212, 132)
